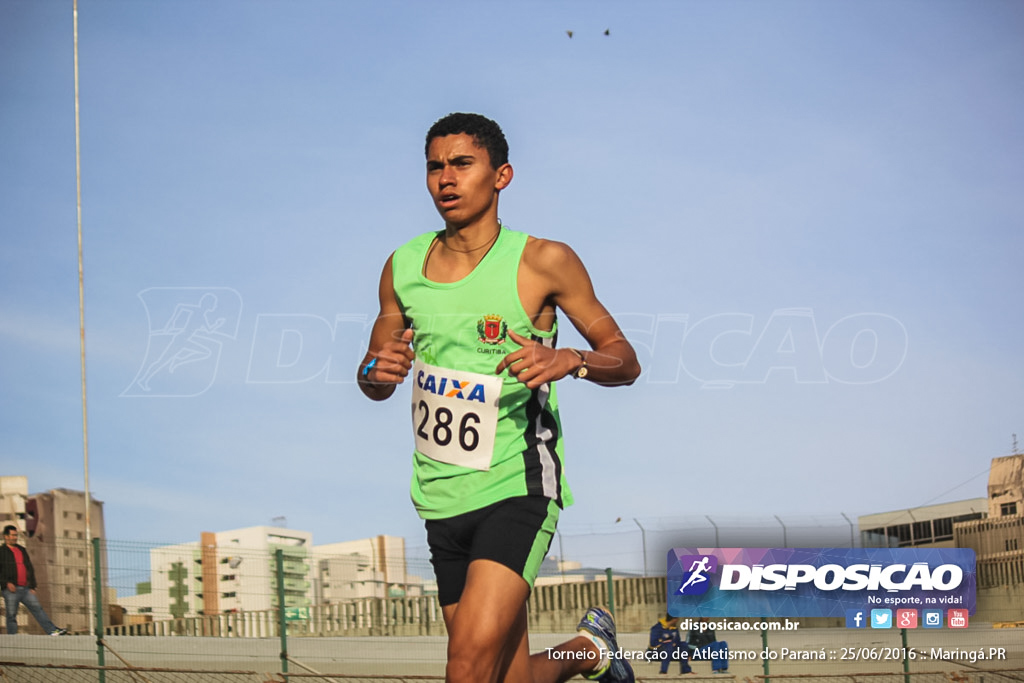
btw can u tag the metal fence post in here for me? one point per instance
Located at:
(906, 658)
(764, 654)
(98, 590)
(282, 622)
(611, 590)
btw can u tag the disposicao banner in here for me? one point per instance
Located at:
(818, 582)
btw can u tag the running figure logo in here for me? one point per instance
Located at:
(695, 579)
(187, 330)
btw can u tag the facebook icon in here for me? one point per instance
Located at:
(855, 618)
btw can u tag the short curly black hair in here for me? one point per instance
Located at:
(484, 131)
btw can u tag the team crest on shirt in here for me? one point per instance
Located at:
(492, 329)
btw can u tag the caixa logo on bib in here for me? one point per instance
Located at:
(816, 582)
(450, 387)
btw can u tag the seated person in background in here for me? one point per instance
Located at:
(666, 644)
(704, 646)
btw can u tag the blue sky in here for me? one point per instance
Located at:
(806, 215)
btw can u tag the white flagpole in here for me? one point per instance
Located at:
(81, 334)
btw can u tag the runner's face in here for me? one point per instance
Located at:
(461, 181)
(11, 538)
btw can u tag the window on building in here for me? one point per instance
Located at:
(1007, 509)
(923, 532)
(942, 528)
(968, 518)
(1011, 544)
(901, 532)
(874, 538)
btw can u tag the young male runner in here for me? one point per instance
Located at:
(468, 314)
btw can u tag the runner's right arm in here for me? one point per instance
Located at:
(390, 355)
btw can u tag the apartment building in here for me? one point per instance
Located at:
(13, 496)
(927, 526)
(998, 540)
(225, 571)
(367, 568)
(52, 529)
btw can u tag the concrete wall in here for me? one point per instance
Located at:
(992, 537)
(1001, 604)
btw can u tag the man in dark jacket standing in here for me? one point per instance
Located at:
(18, 582)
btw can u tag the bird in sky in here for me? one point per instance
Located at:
(569, 33)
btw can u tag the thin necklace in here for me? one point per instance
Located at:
(468, 251)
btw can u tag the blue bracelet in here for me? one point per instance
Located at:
(368, 367)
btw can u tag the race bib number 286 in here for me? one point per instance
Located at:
(455, 415)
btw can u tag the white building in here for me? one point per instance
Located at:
(244, 569)
(226, 571)
(367, 568)
(169, 591)
(13, 495)
(929, 526)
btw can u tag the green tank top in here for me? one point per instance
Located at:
(459, 404)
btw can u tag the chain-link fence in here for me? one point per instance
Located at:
(960, 676)
(235, 602)
(28, 673)
(147, 585)
(53, 673)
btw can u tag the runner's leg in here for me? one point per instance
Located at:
(488, 639)
(481, 623)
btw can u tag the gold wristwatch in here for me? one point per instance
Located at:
(582, 370)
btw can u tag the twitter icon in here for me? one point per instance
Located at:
(881, 618)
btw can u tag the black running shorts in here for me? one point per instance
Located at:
(515, 532)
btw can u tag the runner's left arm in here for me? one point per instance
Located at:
(611, 360)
